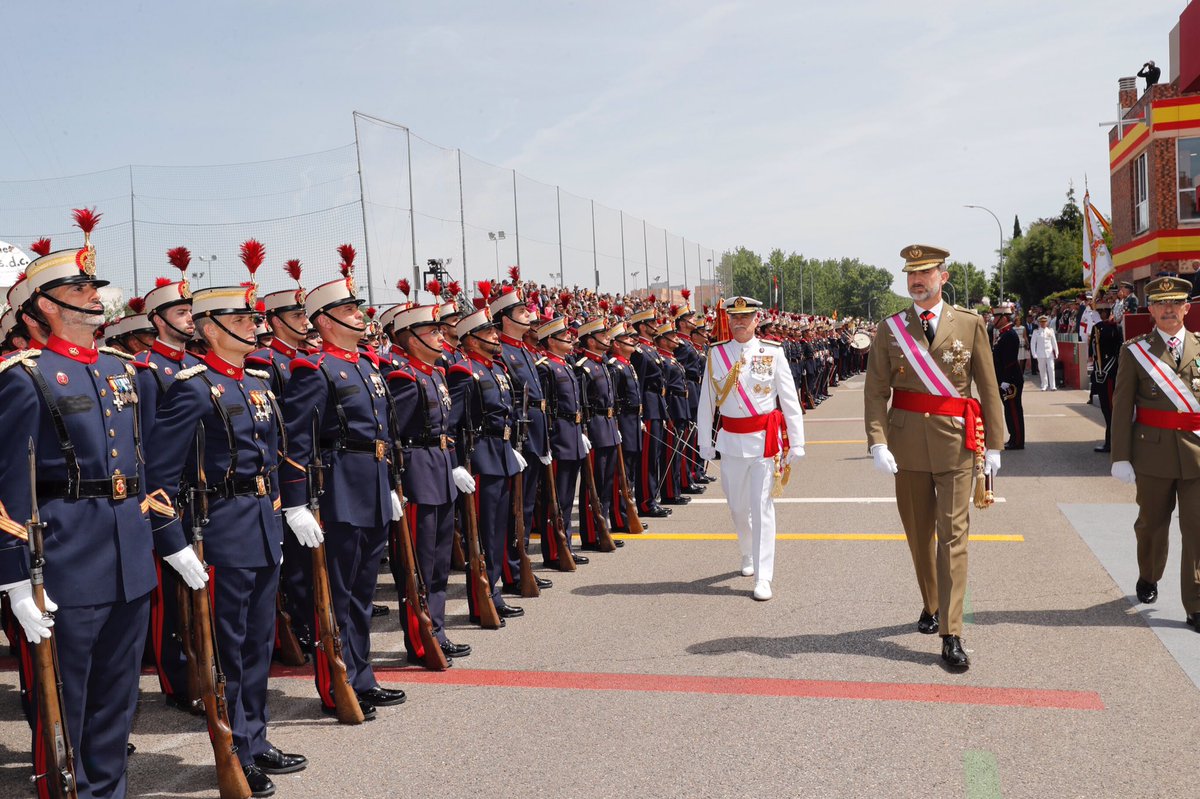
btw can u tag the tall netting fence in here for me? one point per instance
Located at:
(401, 200)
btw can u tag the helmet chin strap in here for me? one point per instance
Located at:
(249, 342)
(359, 330)
(68, 306)
(182, 335)
(278, 318)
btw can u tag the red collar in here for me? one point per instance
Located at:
(555, 359)
(665, 353)
(283, 349)
(420, 365)
(168, 352)
(34, 344)
(619, 359)
(646, 341)
(346, 355)
(477, 358)
(514, 342)
(72, 351)
(223, 367)
(591, 356)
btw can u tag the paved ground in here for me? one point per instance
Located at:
(651, 672)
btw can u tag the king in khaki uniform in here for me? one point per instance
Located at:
(1156, 440)
(936, 437)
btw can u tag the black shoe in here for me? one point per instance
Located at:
(581, 560)
(184, 704)
(510, 611)
(1193, 621)
(416, 661)
(453, 650)
(928, 623)
(1102, 448)
(368, 710)
(379, 610)
(382, 697)
(1014, 446)
(953, 653)
(1147, 592)
(704, 478)
(696, 489)
(542, 582)
(511, 589)
(618, 543)
(260, 784)
(273, 761)
(655, 512)
(130, 749)
(677, 501)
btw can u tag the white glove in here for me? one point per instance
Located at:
(1123, 471)
(587, 444)
(521, 462)
(793, 454)
(545, 459)
(189, 567)
(397, 507)
(708, 452)
(304, 526)
(36, 626)
(1004, 387)
(991, 462)
(464, 480)
(884, 460)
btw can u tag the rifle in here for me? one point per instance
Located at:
(290, 651)
(635, 524)
(329, 637)
(529, 586)
(188, 643)
(231, 780)
(603, 538)
(477, 576)
(458, 558)
(51, 723)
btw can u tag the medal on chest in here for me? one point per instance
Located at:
(502, 381)
(122, 391)
(377, 384)
(260, 403)
(444, 395)
(761, 366)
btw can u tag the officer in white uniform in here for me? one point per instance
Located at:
(760, 433)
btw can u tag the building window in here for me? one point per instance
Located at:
(1141, 196)
(1188, 158)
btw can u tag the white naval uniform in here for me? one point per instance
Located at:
(747, 477)
(1044, 346)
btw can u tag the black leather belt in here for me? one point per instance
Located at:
(677, 393)
(629, 409)
(576, 417)
(421, 442)
(254, 486)
(117, 487)
(502, 433)
(378, 447)
(606, 413)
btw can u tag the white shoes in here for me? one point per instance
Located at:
(747, 566)
(762, 590)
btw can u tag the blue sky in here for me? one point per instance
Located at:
(830, 129)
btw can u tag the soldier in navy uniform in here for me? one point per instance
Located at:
(448, 316)
(514, 318)
(227, 415)
(78, 407)
(335, 409)
(431, 478)
(678, 413)
(627, 394)
(693, 368)
(483, 423)
(599, 407)
(649, 367)
(1107, 341)
(569, 445)
(1006, 353)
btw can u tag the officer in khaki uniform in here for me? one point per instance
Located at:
(1158, 379)
(931, 436)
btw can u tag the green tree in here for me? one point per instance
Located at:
(1016, 227)
(1045, 260)
(968, 283)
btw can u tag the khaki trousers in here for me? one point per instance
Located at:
(1156, 497)
(935, 511)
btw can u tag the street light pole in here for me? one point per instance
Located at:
(1000, 256)
(210, 260)
(497, 237)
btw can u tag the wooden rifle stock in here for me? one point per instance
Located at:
(416, 597)
(188, 643)
(631, 514)
(290, 652)
(529, 586)
(477, 576)
(604, 538)
(56, 741)
(458, 558)
(566, 562)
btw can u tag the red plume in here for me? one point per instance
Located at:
(603, 305)
(514, 273)
(346, 269)
(534, 296)
(253, 253)
(564, 298)
(347, 253)
(674, 309)
(86, 220)
(434, 287)
(619, 310)
(162, 281)
(480, 302)
(371, 312)
(453, 288)
(403, 285)
(686, 294)
(507, 290)
(292, 267)
(41, 246)
(260, 307)
(137, 305)
(179, 257)
(485, 289)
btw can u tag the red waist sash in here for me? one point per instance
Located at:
(1168, 420)
(966, 407)
(771, 423)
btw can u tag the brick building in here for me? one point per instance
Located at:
(1154, 165)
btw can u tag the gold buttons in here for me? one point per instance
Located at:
(107, 412)
(96, 372)
(112, 433)
(114, 453)
(927, 415)
(104, 392)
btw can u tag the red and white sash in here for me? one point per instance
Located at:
(926, 367)
(1167, 380)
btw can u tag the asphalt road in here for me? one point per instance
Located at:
(652, 673)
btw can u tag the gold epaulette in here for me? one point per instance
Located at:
(579, 364)
(259, 373)
(112, 351)
(769, 341)
(191, 372)
(23, 356)
(540, 361)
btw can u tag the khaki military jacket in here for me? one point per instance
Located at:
(1153, 451)
(924, 442)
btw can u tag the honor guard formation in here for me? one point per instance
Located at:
(216, 488)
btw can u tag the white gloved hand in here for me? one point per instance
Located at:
(884, 460)
(397, 507)
(1004, 387)
(521, 462)
(1123, 471)
(464, 480)
(991, 462)
(708, 452)
(189, 567)
(793, 454)
(36, 626)
(304, 526)
(587, 444)
(545, 459)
